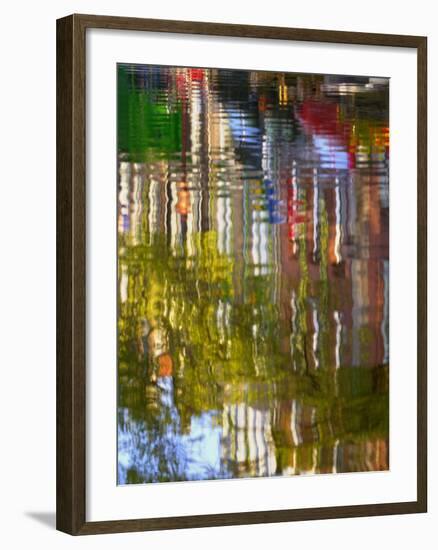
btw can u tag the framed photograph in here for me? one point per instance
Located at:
(241, 274)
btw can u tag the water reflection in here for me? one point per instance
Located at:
(253, 274)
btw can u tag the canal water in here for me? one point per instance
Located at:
(253, 237)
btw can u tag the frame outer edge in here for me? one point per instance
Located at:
(70, 280)
(64, 268)
(237, 30)
(422, 462)
(71, 271)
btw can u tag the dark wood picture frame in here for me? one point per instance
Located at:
(71, 272)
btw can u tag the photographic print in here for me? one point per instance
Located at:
(253, 274)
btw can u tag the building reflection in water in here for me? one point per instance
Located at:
(253, 274)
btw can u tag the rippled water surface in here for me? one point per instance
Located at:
(252, 274)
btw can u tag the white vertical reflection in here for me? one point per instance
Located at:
(125, 175)
(252, 442)
(124, 283)
(315, 337)
(136, 204)
(338, 226)
(247, 442)
(335, 456)
(295, 198)
(315, 211)
(154, 210)
(293, 327)
(314, 459)
(224, 227)
(260, 246)
(241, 425)
(295, 424)
(175, 220)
